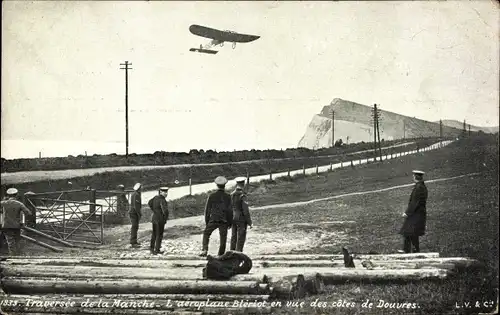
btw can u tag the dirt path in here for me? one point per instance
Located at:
(34, 176)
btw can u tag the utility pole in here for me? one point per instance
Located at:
(404, 130)
(378, 131)
(333, 128)
(469, 130)
(440, 129)
(374, 117)
(464, 130)
(126, 68)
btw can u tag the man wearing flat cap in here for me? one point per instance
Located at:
(135, 214)
(241, 216)
(218, 215)
(158, 205)
(11, 223)
(415, 215)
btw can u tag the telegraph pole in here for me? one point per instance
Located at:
(440, 129)
(374, 116)
(333, 128)
(464, 130)
(404, 130)
(378, 131)
(126, 68)
(469, 130)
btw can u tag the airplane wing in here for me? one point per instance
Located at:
(223, 36)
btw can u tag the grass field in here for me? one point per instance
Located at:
(462, 221)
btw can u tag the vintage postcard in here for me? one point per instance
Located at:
(249, 157)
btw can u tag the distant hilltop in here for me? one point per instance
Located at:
(353, 123)
(459, 125)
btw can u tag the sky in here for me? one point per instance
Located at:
(62, 83)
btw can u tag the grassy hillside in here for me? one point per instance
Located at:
(171, 158)
(459, 125)
(462, 221)
(154, 178)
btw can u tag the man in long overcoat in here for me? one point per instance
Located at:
(415, 215)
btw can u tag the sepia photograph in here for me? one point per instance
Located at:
(250, 157)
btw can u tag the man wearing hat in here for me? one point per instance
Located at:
(11, 221)
(158, 205)
(241, 216)
(415, 215)
(121, 201)
(218, 215)
(135, 213)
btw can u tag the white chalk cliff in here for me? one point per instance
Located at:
(354, 123)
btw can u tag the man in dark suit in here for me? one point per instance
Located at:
(218, 215)
(158, 205)
(415, 215)
(135, 214)
(241, 216)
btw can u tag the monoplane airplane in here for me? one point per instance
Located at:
(218, 38)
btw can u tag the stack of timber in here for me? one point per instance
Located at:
(172, 284)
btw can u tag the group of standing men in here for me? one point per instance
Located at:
(159, 207)
(225, 211)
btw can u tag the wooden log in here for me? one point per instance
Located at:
(86, 272)
(171, 264)
(288, 287)
(254, 257)
(32, 240)
(153, 297)
(142, 263)
(343, 275)
(382, 276)
(16, 285)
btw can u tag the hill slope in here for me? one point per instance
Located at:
(459, 125)
(353, 123)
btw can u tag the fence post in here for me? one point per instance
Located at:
(190, 188)
(64, 220)
(92, 202)
(271, 175)
(102, 225)
(317, 170)
(341, 164)
(304, 169)
(288, 172)
(248, 178)
(352, 164)
(331, 166)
